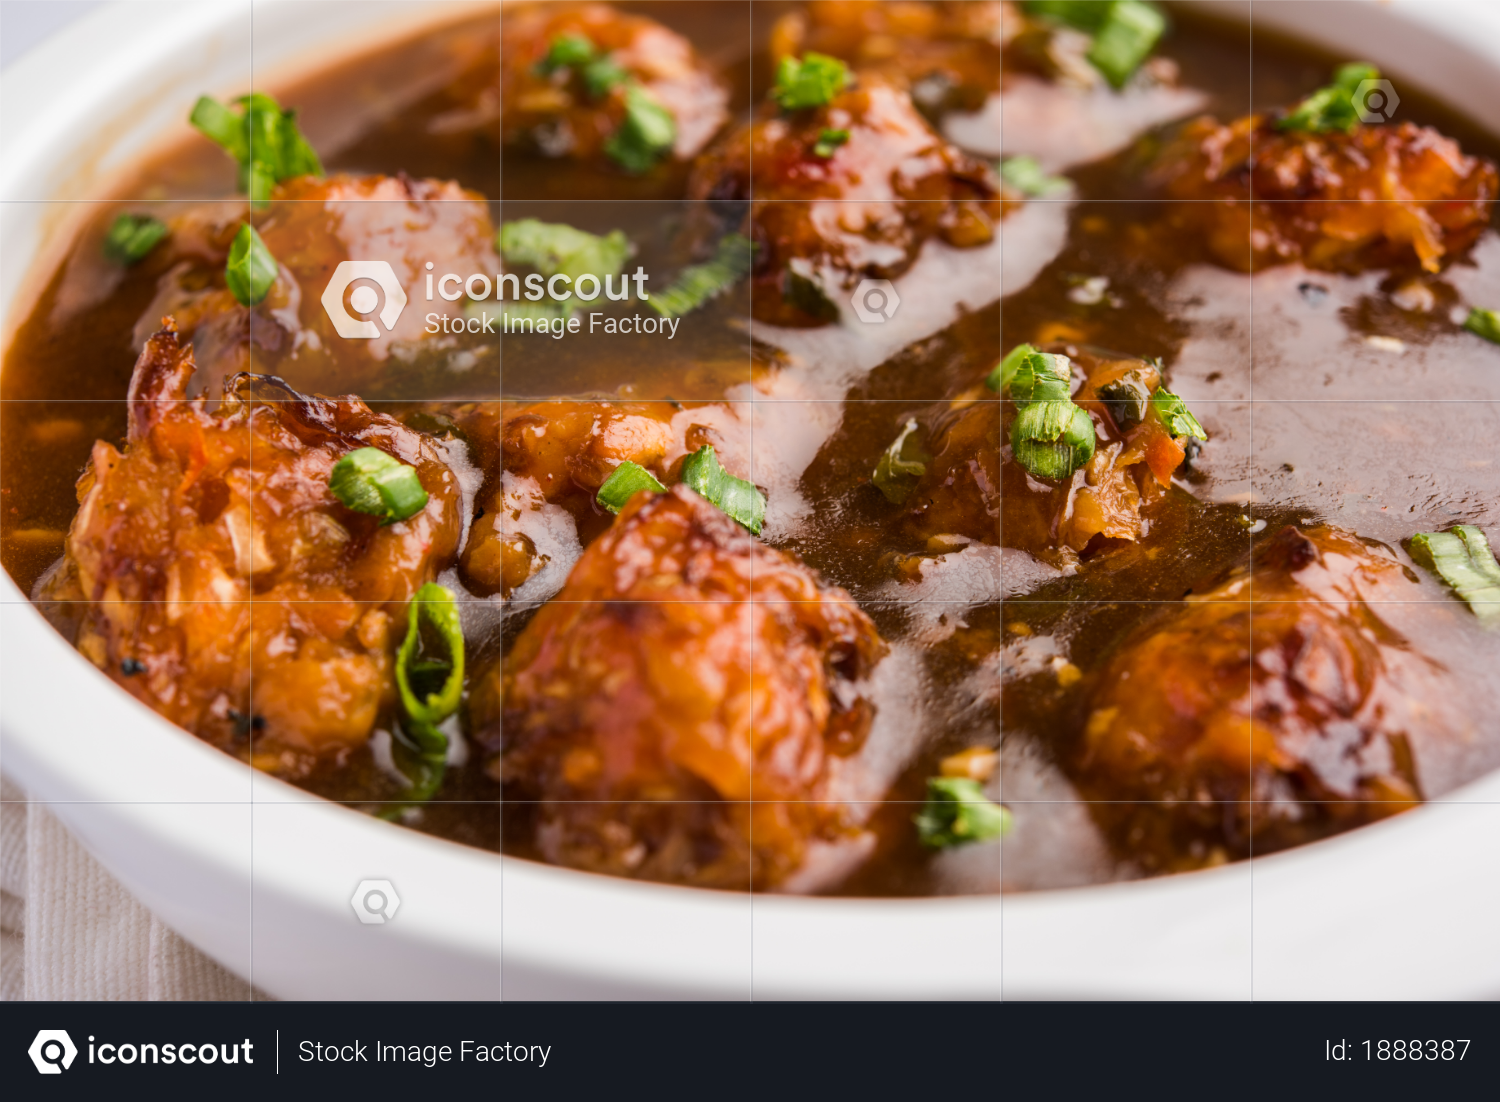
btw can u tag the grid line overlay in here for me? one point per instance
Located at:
(765, 405)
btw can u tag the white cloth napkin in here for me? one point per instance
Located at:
(69, 931)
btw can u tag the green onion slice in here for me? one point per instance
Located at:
(901, 465)
(1052, 436)
(1331, 107)
(1052, 439)
(1026, 175)
(222, 126)
(430, 681)
(801, 289)
(131, 237)
(627, 480)
(1175, 415)
(261, 137)
(1086, 15)
(1125, 31)
(703, 474)
(368, 480)
(251, 268)
(701, 282)
(426, 706)
(602, 75)
(554, 247)
(647, 133)
(1126, 38)
(600, 72)
(1004, 372)
(957, 812)
(1461, 556)
(1041, 377)
(828, 142)
(1484, 323)
(811, 82)
(566, 52)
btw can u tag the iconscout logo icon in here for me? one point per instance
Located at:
(52, 1051)
(875, 301)
(364, 300)
(375, 901)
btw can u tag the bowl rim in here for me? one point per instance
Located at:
(94, 775)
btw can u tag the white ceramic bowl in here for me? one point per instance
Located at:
(260, 876)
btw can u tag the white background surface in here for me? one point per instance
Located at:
(25, 23)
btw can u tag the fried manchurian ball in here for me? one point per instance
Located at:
(864, 210)
(212, 544)
(947, 52)
(1373, 197)
(1276, 708)
(685, 669)
(974, 490)
(573, 111)
(561, 452)
(311, 227)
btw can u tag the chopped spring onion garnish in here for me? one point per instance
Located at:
(368, 480)
(553, 247)
(800, 288)
(1000, 377)
(223, 126)
(1462, 557)
(810, 82)
(648, 131)
(567, 51)
(1086, 15)
(1126, 38)
(703, 474)
(430, 681)
(1125, 31)
(1484, 323)
(1026, 175)
(958, 812)
(828, 142)
(603, 74)
(1051, 436)
(1041, 377)
(262, 137)
(627, 480)
(1331, 107)
(251, 268)
(1175, 415)
(902, 464)
(1127, 400)
(701, 282)
(600, 72)
(1052, 439)
(131, 237)
(646, 135)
